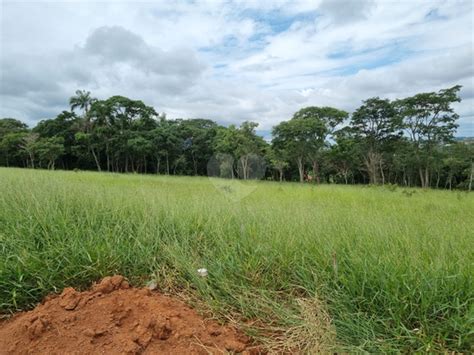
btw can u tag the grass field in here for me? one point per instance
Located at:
(324, 267)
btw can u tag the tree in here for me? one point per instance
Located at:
(88, 143)
(299, 138)
(65, 125)
(374, 125)
(82, 100)
(250, 150)
(198, 136)
(344, 154)
(167, 143)
(11, 153)
(12, 134)
(139, 147)
(457, 163)
(325, 120)
(429, 120)
(113, 123)
(28, 145)
(277, 162)
(49, 150)
(11, 125)
(245, 146)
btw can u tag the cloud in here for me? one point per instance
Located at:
(115, 45)
(341, 11)
(111, 58)
(233, 61)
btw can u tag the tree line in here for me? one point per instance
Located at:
(409, 142)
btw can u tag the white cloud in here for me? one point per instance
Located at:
(233, 61)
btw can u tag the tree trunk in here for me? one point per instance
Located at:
(107, 154)
(316, 170)
(32, 158)
(422, 179)
(96, 160)
(299, 161)
(381, 172)
(470, 178)
(244, 162)
(371, 163)
(194, 164)
(344, 174)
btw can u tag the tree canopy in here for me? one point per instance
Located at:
(409, 142)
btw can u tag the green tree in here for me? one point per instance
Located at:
(28, 145)
(344, 155)
(65, 125)
(12, 134)
(167, 144)
(429, 120)
(11, 125)
(277, 161)
(198, 137)
(299, 138)
(82, 100)
(49, 150)
(325, 120)
(114, 122)
(88, 143)
(245, 146)
(374, 125)
(139, 148)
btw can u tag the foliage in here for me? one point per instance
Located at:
(407, 142)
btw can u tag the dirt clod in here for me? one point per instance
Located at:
(113, 318)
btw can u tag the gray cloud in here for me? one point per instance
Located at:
(115, 44)
(112, 57)
(344, 11)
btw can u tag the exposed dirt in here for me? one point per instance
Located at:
(113, 318)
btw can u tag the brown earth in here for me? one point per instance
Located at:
(113, 318)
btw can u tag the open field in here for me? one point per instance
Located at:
(369, 268)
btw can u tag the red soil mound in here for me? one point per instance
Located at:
(113, 318)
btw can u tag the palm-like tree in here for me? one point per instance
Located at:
(83, 101)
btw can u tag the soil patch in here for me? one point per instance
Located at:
(114, 318)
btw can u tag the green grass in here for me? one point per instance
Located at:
(394, 272)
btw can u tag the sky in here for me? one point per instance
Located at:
(233, 61)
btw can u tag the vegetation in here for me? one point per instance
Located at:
(409, 142)
(391, 267)
(379, 267)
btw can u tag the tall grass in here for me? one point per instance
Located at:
(392, 270)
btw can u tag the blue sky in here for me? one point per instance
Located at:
(235, 60)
